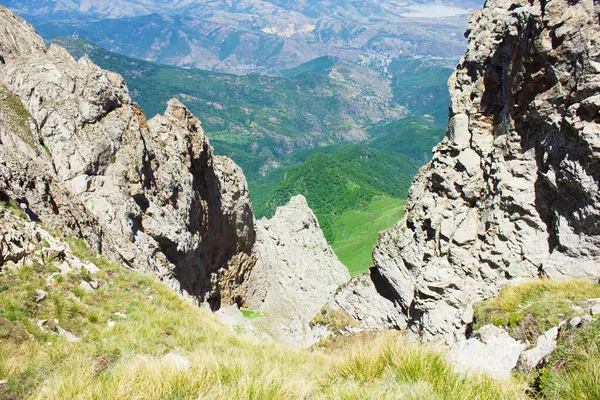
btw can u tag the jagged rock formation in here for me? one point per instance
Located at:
(295, 274)
(79, 155)
(512, 191)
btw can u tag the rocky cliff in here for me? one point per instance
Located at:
(512, 191)
(84, 159)
(78, 155)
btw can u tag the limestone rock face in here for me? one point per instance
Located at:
(296, 272)
(80, 156)
(361, 301)
(12, 42)
(512, 192)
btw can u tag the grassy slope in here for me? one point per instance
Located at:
(356, 232)
(544, 303)
(527, 310)
(573, 371)
(126, 362)
(15, 115)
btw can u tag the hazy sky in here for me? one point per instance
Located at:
(435, 11)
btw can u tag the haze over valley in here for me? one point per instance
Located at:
(258, 35)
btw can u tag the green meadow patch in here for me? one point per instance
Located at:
(356, 232)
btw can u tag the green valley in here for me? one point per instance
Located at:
(345, 188)
(297, 133)
(330, 101)
(356, 191)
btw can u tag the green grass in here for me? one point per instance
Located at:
(401, 371)
(529, 309)
(126, 361)
(357, 232)
(251, 314)
(12, 207)
(573, 371)
(337, 321)
(333, 183)
(17, 117)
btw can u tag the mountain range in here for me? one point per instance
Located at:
(261, 120)
(114, 227)
(258, 35)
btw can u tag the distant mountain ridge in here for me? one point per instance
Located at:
(258, 120)
(310, 9)
(255, 35)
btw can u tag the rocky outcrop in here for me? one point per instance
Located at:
(13, 43)
(491, 350)
(80, 156)
(535, 357)
(512, 191)
(295, 274)
(367, 308)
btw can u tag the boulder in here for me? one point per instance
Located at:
(91, 268)
(86, 287)
(67, 335)
(40, 295)
(491, 350)
(575, 322)
(594, 307)
(536, 357)
(368, 310)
